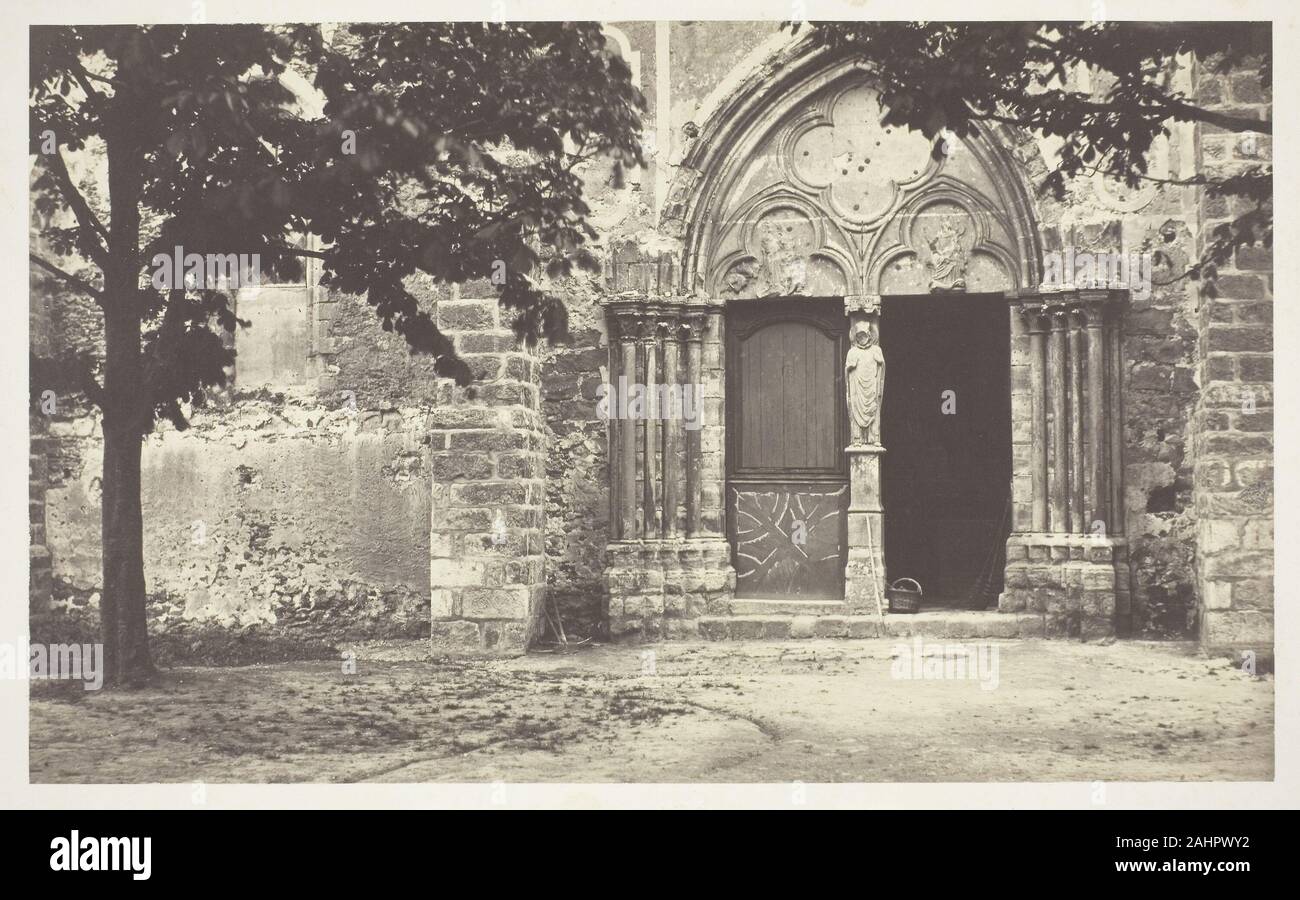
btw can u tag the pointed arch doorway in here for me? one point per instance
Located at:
(796, 189)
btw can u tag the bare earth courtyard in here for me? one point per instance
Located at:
(810, 711)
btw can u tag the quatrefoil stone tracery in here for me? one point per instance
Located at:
(854, 161)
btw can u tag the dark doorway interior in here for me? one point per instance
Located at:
(947, 466)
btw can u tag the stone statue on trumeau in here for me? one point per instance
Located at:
(864, 377)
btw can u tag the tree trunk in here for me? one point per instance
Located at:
(122, 603)
(126, 417)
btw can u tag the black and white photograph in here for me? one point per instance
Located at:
(585, 397)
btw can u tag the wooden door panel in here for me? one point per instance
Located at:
(786, 431)
(788, 392)
(789, 540)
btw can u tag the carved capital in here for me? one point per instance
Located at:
(624, 322)
(1035, 316)
(693, 324)
(1093, 315)
(867, 304)
(1059, 315)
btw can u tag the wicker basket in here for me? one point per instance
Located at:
(904, 599)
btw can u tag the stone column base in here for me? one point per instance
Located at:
(659, 589)
(1079, 582)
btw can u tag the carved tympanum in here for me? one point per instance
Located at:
(828, 200)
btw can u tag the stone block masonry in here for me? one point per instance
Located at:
(1076, 582)
(488, 461)
(1233, 422)
(41, 580)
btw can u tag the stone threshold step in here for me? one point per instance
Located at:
(751, 607)
(937, 624)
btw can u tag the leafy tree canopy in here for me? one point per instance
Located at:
(950, 75)
(440, 148)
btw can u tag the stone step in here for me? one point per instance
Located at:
(953, 624)
(787, 608)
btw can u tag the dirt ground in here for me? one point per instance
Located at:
(810, 711)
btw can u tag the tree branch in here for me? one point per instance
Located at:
(1188, 112)
(72, 280)
(85, 215)
(84, 74)
(297, 251)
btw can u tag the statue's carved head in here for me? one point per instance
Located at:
(863, 333)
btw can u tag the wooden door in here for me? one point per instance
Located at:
(787, 478)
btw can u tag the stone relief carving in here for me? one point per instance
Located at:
(741, 276)
(949, 239)
(947, 256)
(1120, 197)
(785, 263)
(779, 250)
(864, 379)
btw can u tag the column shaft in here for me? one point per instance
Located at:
(627, 445)
(672, 464)
(1056, 365)
(1077, 524)
(1098, 457)
(694, 359)
(1038, 409)
(650, 448)
(1116, 426)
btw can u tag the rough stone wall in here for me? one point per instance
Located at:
(41, 577)
(273, 512)
(1159, 340)
(489, 489)
(302, 512)
(577, 481)
(1233, 435)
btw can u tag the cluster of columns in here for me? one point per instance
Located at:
(1077, 436)
(656, 389)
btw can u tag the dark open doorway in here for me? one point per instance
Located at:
(946, 427)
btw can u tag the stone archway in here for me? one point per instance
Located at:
(794, 188)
